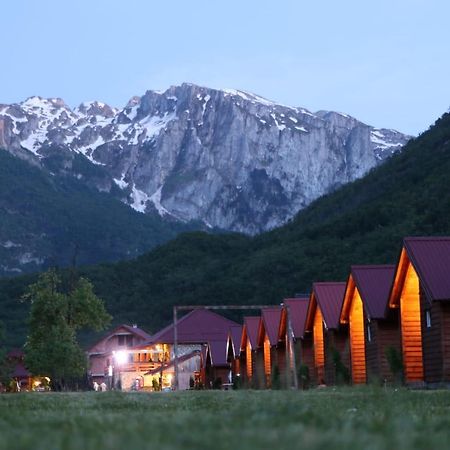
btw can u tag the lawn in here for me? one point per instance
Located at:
(344, 418)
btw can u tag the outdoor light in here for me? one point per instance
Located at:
(120, 357)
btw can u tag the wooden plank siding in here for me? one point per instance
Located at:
(410, 319)
(259, 376)
(445, 315)
(319, 349)
(305, 349)
(357, 339)
(268, 360)
(384, 334)
(336, 341)
(432, 340)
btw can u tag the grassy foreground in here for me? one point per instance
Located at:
(347, 418)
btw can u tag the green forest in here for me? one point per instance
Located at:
(56, 218)
(361, 223)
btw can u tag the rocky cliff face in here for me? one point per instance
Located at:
(231, 159)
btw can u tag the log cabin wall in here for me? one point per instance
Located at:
(249, 361)
(372, 352)
(243, 367)
(384, 334)
(319, 349)
(357, 340)
(281, 362)
(432, 344)
(411, 329)
(305, 349)
(259, 376)
(336, 341)
(267, 361)
(445, 310)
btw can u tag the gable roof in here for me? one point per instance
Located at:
(130, 329)
(218, 353)
(234, 337)
(430, 257)
(250, 329)
(330, 297)
(298, 308)
(270, 319)
(374, 285)
(197, 327)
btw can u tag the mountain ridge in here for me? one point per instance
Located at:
(229, 158)
(361, 223)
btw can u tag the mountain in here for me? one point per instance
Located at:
(228, 158)
(360, 223)
(48, 220)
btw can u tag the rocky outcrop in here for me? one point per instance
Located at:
(231, 159)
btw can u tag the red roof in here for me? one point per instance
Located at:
(131, 329)
(298, 308)
(430, 257)
(199, 326)
(374, 284)
(251, 326)
(236, 335)
(136, 331)
(329, 296)
(218, 353)
(270, 318)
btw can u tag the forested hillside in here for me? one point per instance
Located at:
(48, 220)
(360, 223)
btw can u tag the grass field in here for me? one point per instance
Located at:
(345, 418)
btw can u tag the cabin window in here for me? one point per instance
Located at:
(428, 318)
(129, 340)
(121, 339)
(369, 333)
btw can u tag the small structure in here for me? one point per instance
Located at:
(111, 351)
(331, 352)
(421, 292)
(373, 326)
(234, 351)
(266, 355)
(249, 345)
(303, 343)
(195, 331)
(19, 373)
(217, 367)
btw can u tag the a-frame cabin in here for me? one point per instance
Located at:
(330, 338)
(421, 292)
(373, 326)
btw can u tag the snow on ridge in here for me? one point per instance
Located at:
(154, 124)
(121, 182)
(379, 139)
(155, 198)
(140, 199)
(249, 96)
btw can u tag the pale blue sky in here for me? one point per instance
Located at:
(385, 62)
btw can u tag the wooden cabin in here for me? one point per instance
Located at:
(217, 367)
(249, 345)
(234, 352)
(267, 355)
(194, 331)
(303, 351)
(330, 338)
(373, 326)
(421, 292)
(101, 356)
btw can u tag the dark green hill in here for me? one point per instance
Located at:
(363, 222)
(47, 219)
